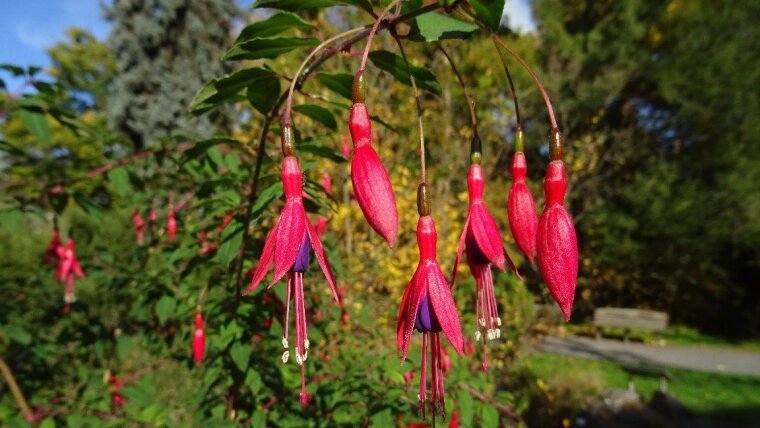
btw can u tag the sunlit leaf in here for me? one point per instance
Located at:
(435, 26)
(394, 64)
(222, 89)
(489, 12)
(339, 83)
(273, 26)
(296, 5)
(267, 47)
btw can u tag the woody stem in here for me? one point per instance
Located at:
(470, 102)
(15, 390)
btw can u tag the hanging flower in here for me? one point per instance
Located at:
(152, 217)
(289, 246)
(139, 225)
(171, 225)
(556, 243)
(199, 340)
(521, 209)
(428, 307)
(52, 249)
(68, 268)
(482, 240)
(372, 186)
(327, 184)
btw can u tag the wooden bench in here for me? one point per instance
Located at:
(628, 319)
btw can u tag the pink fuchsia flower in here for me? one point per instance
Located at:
(372, 187)
(68, 268)
(454, 423)
(428, 307)
(327, 184)
(52, 249)
(521, 209)
(199, 340)
(482, 241)
(289, 246)
(226, 221)
(321, 226)
(171, 225)
(345, 148)
(556, 242)
(139, 226)
(152, 217)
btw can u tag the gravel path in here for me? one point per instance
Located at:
(696, 358)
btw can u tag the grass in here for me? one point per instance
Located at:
(720, 396)
(673, 335)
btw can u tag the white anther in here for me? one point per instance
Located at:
(69, 298)
(285, 356)
(477, 335)
(491, 334)
(299, 359)
(285, 343)
(482, 322)
(419, 398)
(305, 354)
(498, 321)
(498, 333)
(306, 344)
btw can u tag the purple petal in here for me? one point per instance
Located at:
(304, 256)
(426, 319)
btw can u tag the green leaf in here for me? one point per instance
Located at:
(265, 197)
(223, 89)
(119, 178)
(10, 219)
(383, 418)
(296, 5)
(267, 47)
(259, 419)
(201, 147)
(318, 113)
(466, 408)
(489, 416)
(316, 148)
(231, 239)
(339, 83)
(240, 355)
(90, 207)
(264, 94)
(17, 334)
(165, 308)
(273, 26)
(394, 64)
(434, 26)
(14, 69)
(489, 12)
(37, 124)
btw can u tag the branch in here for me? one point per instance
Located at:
(28, 414)
(510, 412)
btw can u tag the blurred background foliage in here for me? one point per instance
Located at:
(657, 100)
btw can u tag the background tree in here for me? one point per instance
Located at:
(165, 49)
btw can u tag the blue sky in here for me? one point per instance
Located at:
(27, 27)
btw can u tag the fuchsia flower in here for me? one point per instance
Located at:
(327, 183)
(52, 249)
(428, 307)
(321, 226)
(556, 242)
(345, 149)
(171, 225)
(206, 246)
(68, 267)
(152, 217)
(370, 179)
(521, 209)
(139, 227)
(226, 221)
(482, 240)
(289, 246)
(199, 340)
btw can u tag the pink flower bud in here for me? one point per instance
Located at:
(199, 340)
(370, 179)
(556, 242)
(171, 226)
(139, 225)
(521, 209)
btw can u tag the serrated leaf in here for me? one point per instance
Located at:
(273, 26)
(240, 355)
(165, 308)
(223, 89)
(296, 5)
(339, 83)
(489, 12)
(37, 124)
(394, 64)
(434, 26)
(264, 94)
(318, 113)
(267, 47)
(119, 178)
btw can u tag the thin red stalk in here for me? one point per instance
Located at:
(470, 102)
(371, 35)
(544, 94)
(511, 85)
(293, 82)
(423, 174)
